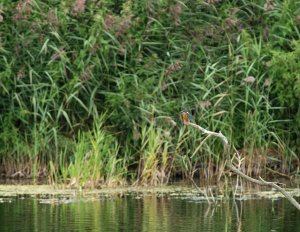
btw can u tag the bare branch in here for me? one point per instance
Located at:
(237, 171)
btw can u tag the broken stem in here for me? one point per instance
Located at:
(237, 171)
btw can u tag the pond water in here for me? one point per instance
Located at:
(148, 213)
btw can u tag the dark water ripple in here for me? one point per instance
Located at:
(150, 213)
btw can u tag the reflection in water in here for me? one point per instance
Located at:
(150, 213)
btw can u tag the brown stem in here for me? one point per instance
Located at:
(237, 171)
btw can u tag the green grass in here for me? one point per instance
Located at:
(233, 64)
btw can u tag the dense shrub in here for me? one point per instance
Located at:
(233, 64)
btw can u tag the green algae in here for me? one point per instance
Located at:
(48, 194)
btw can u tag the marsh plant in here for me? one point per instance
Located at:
(91, 90)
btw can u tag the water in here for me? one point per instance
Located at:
(150, 213)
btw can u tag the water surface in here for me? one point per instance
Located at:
(149, 213)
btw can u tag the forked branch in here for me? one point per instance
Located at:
(237, 171)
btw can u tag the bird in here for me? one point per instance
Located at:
(187, 118)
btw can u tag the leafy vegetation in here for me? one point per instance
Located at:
(91, 90)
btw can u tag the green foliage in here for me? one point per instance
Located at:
(284, 70)
(95, 159)
(64, 63)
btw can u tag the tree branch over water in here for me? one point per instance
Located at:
(237, 171)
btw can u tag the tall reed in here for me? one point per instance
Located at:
(64, 64)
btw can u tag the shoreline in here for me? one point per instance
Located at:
(61, 192)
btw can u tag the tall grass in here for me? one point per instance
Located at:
(65, 64)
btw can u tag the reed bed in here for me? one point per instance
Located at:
(91, 90)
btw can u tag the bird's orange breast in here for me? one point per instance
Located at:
(185, 117)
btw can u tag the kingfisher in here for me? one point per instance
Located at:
(187, 118)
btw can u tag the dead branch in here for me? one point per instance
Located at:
(238, 172)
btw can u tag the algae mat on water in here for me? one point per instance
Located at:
(173, 191)
(15, 190)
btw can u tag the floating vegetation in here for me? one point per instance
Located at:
(46, 194)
